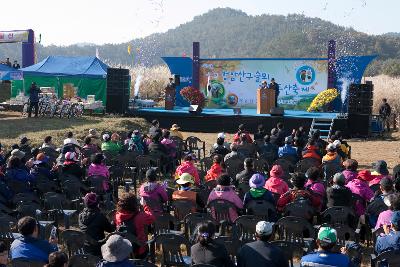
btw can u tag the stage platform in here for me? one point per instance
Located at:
(218, 120)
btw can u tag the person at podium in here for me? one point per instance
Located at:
(264, 85)
(274, 86)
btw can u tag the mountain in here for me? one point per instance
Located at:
(225, 32)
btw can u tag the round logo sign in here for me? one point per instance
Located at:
(305, 75)
(232, 99)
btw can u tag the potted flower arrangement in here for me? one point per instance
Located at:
(194, 96)
(321, 101)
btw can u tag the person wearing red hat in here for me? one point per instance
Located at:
(359, 186)
(275, 183)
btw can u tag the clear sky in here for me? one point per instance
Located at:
(64, 22)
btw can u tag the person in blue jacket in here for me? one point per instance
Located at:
(391, 239)
(324, 256)
(16, 171)
(28, 246)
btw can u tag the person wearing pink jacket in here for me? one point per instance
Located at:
(98, 168)
(153, 192)
(225, 191)
(187, 166)
(359, 186)
(275, 183)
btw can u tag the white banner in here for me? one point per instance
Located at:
(13, 36)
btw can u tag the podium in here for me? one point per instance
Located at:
(265, 100)
(169, 98)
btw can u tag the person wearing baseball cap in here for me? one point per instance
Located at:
(391, 239)
(93, 223)
(331, 155)
(261, 252)
(220, 146)
(324, 256)
(72, 166)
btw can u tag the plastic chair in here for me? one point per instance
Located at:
(172, 253)
(288, 249)
(74, 241)
(192, 220)
(182, 208)
(260, 208)
(391, 258)
(245, 228)
(299, 209)
(295, 229)
(232, 245)
(195, 144)
(338, 215)
(220, 210)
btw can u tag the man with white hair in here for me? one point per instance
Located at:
(261, 252)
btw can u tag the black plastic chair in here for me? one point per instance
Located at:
(220, 210)
(83, 260)
(74, 241)
(339, 215)
(391, 258)
(295, 229)
(182, 208)
(299, 209)
(329, 169)
(289, 249)
(171, 247)
(260, 208)
(192, 220)
(232, 245)
(245, 228)
(195, 144)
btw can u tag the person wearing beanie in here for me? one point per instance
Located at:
(224, 190)
(391, 239)
(128, 214)
(99, 168)
(261, 252)
(350, 170)
(93, 223)
(187, 166)
(245, 175)
(257, 190)
(207, 251)
(378, 205)
(324, 256)
(380, 171)
(152, 193)
(72, 166)
(359, 186)
(116, 252)
(298, 192)
(275, 183)
(332, 156)
(217, 168)
(338, 194)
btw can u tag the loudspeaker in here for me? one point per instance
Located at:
(359, 125)
(177, 79)
(361, 98)
(277, 111)
(118, 90)
(194, 109)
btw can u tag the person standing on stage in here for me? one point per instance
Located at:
(34, 92)
(274, 86)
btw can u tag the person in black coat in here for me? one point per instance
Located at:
(208, 251)
(338, 194)
(71, 166)
(93, 223)
(245, 175)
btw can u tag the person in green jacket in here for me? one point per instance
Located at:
(111, 144)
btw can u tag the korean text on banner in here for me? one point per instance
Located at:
(13, 36)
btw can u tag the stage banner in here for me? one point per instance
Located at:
(231, 83)
(13, 36)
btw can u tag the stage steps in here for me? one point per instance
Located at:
(325, 126)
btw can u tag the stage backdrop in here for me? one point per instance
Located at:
(234, 82)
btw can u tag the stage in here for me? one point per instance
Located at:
(218, 120)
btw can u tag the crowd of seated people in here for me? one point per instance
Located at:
(372, 198)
